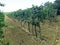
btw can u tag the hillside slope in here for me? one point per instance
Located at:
(17, 36)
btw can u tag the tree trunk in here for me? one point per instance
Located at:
(24, 24)
(40, 31)
(35, 31)
(32, 30)
(21, 23)
(29, 26)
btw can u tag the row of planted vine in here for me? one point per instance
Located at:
(35, 15)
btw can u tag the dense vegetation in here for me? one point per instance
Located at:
(1, 25)
(35, 15)
(57, 6)
(2, 41)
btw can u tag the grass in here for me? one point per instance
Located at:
(11, 27)
(16, 36)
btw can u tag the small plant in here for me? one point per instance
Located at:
(11, 27)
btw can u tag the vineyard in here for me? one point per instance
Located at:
(35, 16)
(20, 34)
(37, 25)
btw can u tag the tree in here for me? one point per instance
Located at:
(37, 18)
(57, 6)
(1, 4)
(50, 11)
